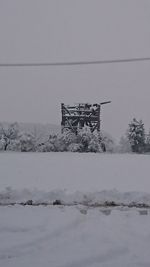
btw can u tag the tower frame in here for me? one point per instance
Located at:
(75, 117)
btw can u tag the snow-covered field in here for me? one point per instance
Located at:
(77, 235)
(73, 177)
(74, 171)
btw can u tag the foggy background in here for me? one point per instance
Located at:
(75, 30)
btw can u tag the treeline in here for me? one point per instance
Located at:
(135, 140)
(13, 139)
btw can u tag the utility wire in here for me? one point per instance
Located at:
(74, 63)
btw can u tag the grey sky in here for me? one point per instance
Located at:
(72, 30)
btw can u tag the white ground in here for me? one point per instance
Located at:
(74, 171)
(65, 237)
(74, 236)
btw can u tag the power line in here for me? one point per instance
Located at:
(75, 63)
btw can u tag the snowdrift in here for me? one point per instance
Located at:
(11, 196)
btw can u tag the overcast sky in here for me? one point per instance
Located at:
(75, 30)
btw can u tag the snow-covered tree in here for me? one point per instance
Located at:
(147, 142)
(8, 135)
(136, 135)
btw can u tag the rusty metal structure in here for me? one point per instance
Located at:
(75, 117)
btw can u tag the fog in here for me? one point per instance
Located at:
(68, 30)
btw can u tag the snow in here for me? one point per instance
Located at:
(11, 196)
(69, 237)
(74, 235)
(73, 172)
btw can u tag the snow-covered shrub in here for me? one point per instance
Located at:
(14, 145)
(26, 142)
(56, 143)
(84, 141)
(59, 145)
(74, 147)
(61, 142)
(2, 143)
(94, 146)
(45, 147)
(89, 142)
(68, 138)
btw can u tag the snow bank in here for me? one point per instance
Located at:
(36, 197)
